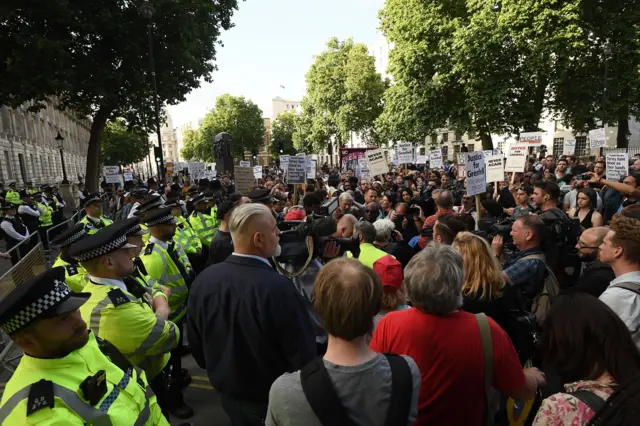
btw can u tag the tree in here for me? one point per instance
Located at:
(91, 57)
(344, 94)
(282, 130)
(239, 117)
(121, 145)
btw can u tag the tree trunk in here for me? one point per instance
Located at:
(622, 139)
(93, 153)
(538, 105)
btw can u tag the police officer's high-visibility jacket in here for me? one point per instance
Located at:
(204, 225)
(31, 191)
(13, 197)
(143, 279)
(75, 274)
(145, 237)
(45, 215)
(166, 269)
(121, 396)
(119, 317)
(186, 237)
(369, 254)
(92, 225)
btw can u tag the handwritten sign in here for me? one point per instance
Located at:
(245, 163)
(297, 170)
(597, 138)
(257, 172)
(516, 158)
(377, 162)
(569, 147)
(244, 179)
(617, 165)
(284, 162)
(435, 159)
(111, 174)
(128, 177)
(476, 173)
(405, 152)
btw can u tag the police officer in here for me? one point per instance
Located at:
(186, 237)
(202, 223)
(94, 220)
(12, 195)
(137, 197)
(30, 188)
(114, 313)
(161, 258)
(30, 214)
(15, 231)
(56, 203)
(191, 194)
(148, 206)
(75, 274)
(67, 375)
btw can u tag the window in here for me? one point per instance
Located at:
(434, 139)
(7, 160)
(51, 171)
(456, 150)
(23, 168)
(458, 136)
(422, 151)
(33, 166)
(581, 146)
(472, 147)
(445, 152)
(558, 145)
(445, 137)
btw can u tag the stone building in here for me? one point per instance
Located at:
(29, 150)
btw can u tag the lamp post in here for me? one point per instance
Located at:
(60, 141)
(147, 11)
(607, 52)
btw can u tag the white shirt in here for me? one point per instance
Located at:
(108, 281)
(80, 195)
(251, 256)
(28, 210)
(625, 303)
(158, 242)
(8, 228)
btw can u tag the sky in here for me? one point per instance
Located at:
(272, 44)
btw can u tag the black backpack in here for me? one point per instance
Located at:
(622, 408)
(328, 408)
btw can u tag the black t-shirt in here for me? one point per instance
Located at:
(498, 309)
(221, 247)
(553, 213)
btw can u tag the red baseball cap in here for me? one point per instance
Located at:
(390, 272)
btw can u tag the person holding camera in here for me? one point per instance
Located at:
(526, 269)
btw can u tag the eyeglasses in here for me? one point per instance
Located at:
(583, 245)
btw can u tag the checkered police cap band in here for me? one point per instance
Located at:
(73, 238)
(155, 204)
(134, 230)
(102, 250)
(59, 292)
(161, 220)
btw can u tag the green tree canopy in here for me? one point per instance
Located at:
(344, 95)
(91, 56)
(239, 117)
(282, 130)
(121, 145)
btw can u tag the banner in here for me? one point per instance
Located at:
(495, 168)
(532, 138)
(111, 174)
(128, 177)
(617, 165)
(435, 159)
(257, 172)
(405, 152)
(244, 163)
(377, 162)
(597, 138)
(284, 162)
(569, 147)
(476, 173)
(243, 179)
(297, 171)
(516, 158)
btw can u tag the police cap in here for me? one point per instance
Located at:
(150, 204)
(161, 217)
(132, 226)
(90, 199)
(70, 236)
(105, 241)
(200, 199)
(43, 296)
(260, 196)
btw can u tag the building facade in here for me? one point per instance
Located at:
(279, 105)
(169, 134)
(30, 151)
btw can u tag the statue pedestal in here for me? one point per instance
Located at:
(69, 193)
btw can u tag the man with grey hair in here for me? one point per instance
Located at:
(385, 229)
(445, 342)
(368, 252)
(247, 324)
(347, 205)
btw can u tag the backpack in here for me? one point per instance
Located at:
(622, 408)
(634, 287)
(326, 405)
(550, 289)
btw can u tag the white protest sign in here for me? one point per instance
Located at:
(487, 152)
(243, 179)
(111, 174)
(405, 152)
(245, 163)
(196, 169)
(516, 158)
(435, 159)
(476, 173)
(128, 177)
(532, 138)
(284, 162)
(377, 162)
(311, 168)
(569, 147)
(297, 170)
(617, 165)
(365, 173)
(209, 174)
(495, 167)
(257, 172)
(461, 171)
(422, 159)
(597, 138)
(395, 159)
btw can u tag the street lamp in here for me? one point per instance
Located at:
(147, 11)
(607, 51)
(60, 141)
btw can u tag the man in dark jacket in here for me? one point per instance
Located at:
(247, 324)
(596, 276)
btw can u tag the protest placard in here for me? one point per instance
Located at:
(284, 162)
(111, 174)
(377, 162)
(245, 163)
(422, 159)
(405, 152)
(597, 138)
(257, 172)
(476, 173)
(244, 179)
(516, 158)
(569, 147)
(312, 166)
(461, 172)
(532, 138)
(435, 158)
(617, 165)
(128, 177)
(196, 169)
(495, 168)
(297, 171)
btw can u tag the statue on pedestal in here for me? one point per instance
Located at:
(222, 153)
